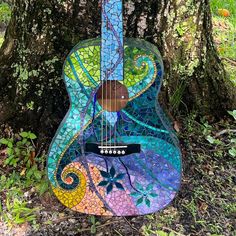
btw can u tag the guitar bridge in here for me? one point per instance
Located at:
(113, 150)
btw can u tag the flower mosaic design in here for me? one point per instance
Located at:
(143, 195)
(111, 179)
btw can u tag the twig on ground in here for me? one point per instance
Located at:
(99, 226)
(131, 226)
(225, 131)
(229, 60)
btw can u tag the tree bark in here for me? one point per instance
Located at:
(41, 33)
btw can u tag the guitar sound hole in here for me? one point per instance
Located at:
(112, 96)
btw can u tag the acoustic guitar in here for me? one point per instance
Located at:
(115, 153)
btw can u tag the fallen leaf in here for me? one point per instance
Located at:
(224, 12)
(203, 206)
(177, 126)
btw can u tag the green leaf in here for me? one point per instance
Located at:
(24, 134)
(43, 188)
(19, 221)
(4, 141)
(140, 201)
(161, 233)
(210, 139)
(93, 229)
(232, 152)
(10, 144)
(233, 140)
(29, 173)
(17, 150)
(7, 161)
(3, 178)
(233, 113)
(10, 151)
(32, 136)
(37, 174)
(93, 220)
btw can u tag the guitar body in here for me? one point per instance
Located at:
(115, 153)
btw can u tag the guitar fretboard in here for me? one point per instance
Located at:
(112, 50)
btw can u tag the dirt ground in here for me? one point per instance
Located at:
(205, 204)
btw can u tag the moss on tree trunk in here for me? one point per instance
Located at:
(41, 33)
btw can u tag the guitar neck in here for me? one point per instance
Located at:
(112, 48)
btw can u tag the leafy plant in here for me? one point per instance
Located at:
(94, 224)
(20, 151)
(16, 209)
(23, 170)
(20, 212)
(233, 113)
(148, 231)
(232, 150)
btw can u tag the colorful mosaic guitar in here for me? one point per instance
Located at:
(115, 153)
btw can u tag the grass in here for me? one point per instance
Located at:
(225, 34)
(5, 13)
(1, 39)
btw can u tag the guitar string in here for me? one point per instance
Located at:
(120, 95)
(110, 82)
(119, 87)
(107, 77)
(111, 93)
(102, 79)
(117, 79)
(105, 57)
(106, 74)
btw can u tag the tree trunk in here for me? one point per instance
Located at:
(41, 33)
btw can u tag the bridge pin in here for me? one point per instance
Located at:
(110, 152)
(102, 151)
(123, 152)
(114, 152)
(119, 152)
(106, 151)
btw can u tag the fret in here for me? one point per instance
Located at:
(112, 48)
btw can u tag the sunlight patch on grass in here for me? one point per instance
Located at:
(225, 34)
(1, 40)
(225, 28)
(5, 13)
(225, 37)
(231, 69)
